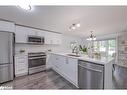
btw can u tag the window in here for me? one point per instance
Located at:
(105, 47)
(111, 47)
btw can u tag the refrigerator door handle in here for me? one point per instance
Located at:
(10, 47)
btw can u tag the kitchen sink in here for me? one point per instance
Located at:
(74, 55)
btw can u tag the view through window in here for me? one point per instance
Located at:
(105, 47)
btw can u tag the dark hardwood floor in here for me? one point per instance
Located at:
(43, 80)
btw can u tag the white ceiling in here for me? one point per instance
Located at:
(100, 19)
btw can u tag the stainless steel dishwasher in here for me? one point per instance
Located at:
(90, 75)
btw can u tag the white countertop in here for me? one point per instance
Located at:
(102, 60)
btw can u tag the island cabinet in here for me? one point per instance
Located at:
(65, 66)
(79, 73)
(58, 63)
(71, 70)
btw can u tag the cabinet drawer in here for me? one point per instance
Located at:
(20, 61)
(20, 69)
(21, 65)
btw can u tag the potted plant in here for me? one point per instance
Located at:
(83, 49)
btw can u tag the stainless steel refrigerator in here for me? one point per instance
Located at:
(6, 56)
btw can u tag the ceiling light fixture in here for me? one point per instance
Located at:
(74, 26)
(25, 7)
(92, 37)
(78, 24)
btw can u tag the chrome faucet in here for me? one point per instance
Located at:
(75, 50)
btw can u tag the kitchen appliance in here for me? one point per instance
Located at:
(35, 39)
(6, 56)
(90, 75)
(36, 62)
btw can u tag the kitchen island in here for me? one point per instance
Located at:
(68, 67)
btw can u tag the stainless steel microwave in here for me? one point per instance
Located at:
(35, 40)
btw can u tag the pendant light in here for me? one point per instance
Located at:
(25, 7)
(92, 37)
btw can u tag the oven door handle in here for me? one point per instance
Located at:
(36, 57)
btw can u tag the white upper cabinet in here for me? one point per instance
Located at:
(40, 33)
(31, 31)
(53, 38)
(21, 34)
(48, 38)
(7, 26)
(57, 39)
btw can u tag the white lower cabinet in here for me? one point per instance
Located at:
(58, 62)
(67, 67)
(21, 65)
(49, 61)
(70, 69)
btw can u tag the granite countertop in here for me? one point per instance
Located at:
(102, 60)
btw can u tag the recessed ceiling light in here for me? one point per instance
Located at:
(25, 7)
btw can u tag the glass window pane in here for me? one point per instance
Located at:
(102, 45)
(105, 47)
(96, 46)
(111, 47)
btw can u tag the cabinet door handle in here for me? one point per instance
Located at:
(96, 70)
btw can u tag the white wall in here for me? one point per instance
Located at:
(64, 47)
(107, 36)
(66, 39)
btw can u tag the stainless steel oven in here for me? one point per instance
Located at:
(36, 62)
